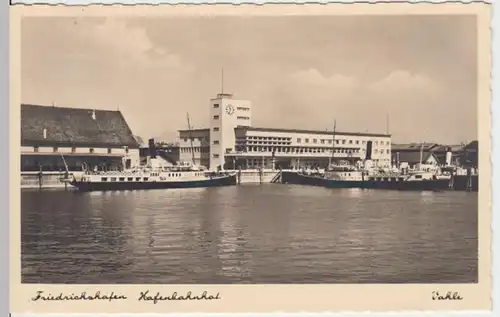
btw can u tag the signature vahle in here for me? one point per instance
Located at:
(448, 296)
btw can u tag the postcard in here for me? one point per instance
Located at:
(230, 159)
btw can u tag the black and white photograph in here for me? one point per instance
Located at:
(251, 149)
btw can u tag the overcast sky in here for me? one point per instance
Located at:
(299, 72)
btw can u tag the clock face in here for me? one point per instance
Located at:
(229, 109)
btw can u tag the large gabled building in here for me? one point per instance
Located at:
(53, 137)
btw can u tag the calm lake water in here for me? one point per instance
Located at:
(249, 234)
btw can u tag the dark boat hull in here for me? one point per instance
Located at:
(301, 179)
(109, 186)
(311, 180)
(423, 185)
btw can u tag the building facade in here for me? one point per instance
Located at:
(194, 147)
(289, 148)
(53, 138)
(459, 155)
(226, 114)
(232, 142)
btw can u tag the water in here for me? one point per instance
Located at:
(249, 234)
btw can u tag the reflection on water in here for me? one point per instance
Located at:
(249, 234)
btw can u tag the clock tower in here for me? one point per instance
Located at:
(226, 114)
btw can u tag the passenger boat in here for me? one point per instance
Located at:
(352, 178)
(150, 179)
(418, 180)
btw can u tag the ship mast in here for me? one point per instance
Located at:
(190, 138)
(421, 155)
(333, 144)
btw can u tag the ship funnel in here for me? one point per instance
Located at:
(448, 157)
(152, 148)
(369, 146)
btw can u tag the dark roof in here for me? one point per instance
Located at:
(74, 127)
(195, 130)
(412, 157)
(474, 145)
(413, 146)
(310, 131)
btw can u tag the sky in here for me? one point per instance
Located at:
(300, 72)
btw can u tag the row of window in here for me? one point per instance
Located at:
(122, 179)
(307, 140)
(307, 150)
(216, 106)
(55, 149)
(322, 141)
(195, 149)
(138, 179)
(216, 117)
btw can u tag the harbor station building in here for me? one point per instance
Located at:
(55, 137)
(231, 141)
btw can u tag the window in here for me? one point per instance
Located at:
(54, 149)
(216, 105)
(104, 179)
(73, 149)
(330, 141)
(357, 141)
(109, 151)
(350, 141)
(216, 129)
(130, 179)
(315, 141)
(299, 140)
(216, 155)
(343, 141)
(388, 151)
(322, 141)
(243, 118)
(216, 142)
(35, 149)
(126, 149)
(91, 150)
(216, 117)
(121, 179)
(307, 140)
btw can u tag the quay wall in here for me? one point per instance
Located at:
(256, 176)
(49, 180)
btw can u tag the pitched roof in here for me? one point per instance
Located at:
(413, 146)
(412, 157)
(474, 145)
(74, 127)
